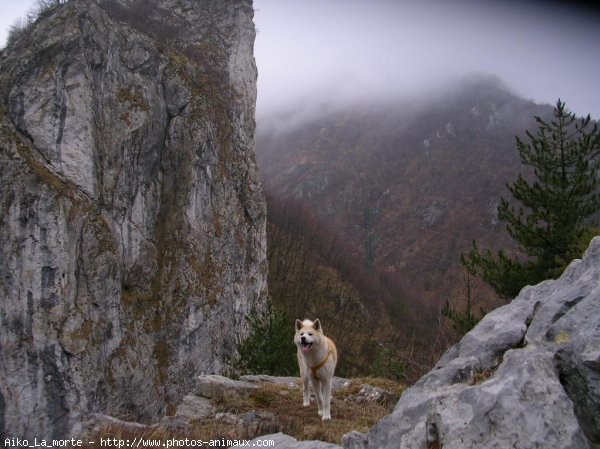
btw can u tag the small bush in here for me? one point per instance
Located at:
(18, 29)
(269, 349)
(44, 7)
(387, 365)
(22, 26)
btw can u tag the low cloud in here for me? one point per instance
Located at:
(323, 53)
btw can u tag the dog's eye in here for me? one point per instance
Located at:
(309, 334)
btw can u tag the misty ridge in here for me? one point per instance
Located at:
(398, 187)
(404, 106)
(385, 51)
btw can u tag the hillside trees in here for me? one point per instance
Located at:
(307, 262)
(559, 198)
(315, 273)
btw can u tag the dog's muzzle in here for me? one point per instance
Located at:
(304, 344)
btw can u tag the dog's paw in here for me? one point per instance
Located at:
(306, 403)
(320, 412)
(326, 417)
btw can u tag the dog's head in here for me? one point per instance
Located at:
(308, 333)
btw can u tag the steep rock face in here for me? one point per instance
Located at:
(133, 221)
(527, 376)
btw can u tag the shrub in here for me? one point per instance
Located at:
(269, 349)
(18, 29)
(387, 365)
(22, 26)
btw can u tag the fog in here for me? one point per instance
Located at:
(323, 53)
(326, 53)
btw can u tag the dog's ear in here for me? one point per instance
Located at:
(317, 325)
(298, 325)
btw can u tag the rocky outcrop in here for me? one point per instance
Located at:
(211, 388)
(133, 222)
(205, 404)
(527, 376)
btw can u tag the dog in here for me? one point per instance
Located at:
(317, 357)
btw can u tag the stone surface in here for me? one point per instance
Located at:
(213, 386)
(338, 383)
(97, 421)
(525, 377)
(376, 395)
(288, 381)
(283, 441)
(195, 407)
(354, 440)
(133, 220)
(258, 422)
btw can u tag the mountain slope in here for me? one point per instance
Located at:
(410, 183)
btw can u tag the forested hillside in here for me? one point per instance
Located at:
(406, 187)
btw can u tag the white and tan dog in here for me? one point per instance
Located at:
(317, 357)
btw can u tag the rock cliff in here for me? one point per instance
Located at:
(133, 221)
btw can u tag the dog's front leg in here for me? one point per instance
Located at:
(317, 385)
(305, 388)
(305, 376)
(326, 399)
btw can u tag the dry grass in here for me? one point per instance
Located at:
(290, 416)
(481, 376)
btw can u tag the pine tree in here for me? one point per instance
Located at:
(553, 224)
(464, 319)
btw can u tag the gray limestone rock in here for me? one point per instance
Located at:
(526, 376)
(133, 221)
(288, 381)
(195, 407)
(338, 383)
(213, 386)
(283, 441)
(97, 421)
(354, 440)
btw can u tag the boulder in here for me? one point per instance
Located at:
(213, 386)
(194, 408)
(527, 376)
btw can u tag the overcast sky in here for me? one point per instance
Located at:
(12, 10)
(345, 48)
(337, 50)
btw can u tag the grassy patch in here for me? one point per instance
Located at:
(290, 416)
